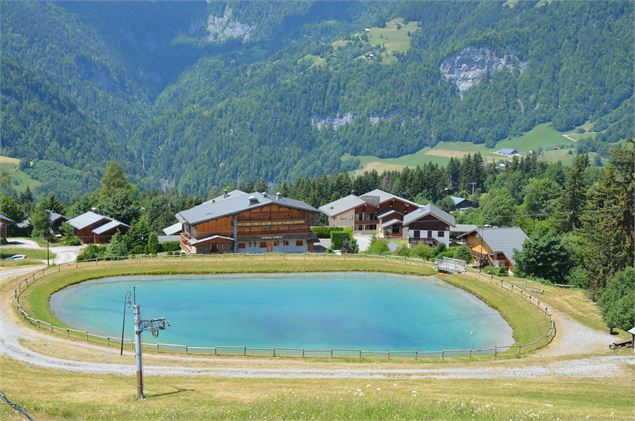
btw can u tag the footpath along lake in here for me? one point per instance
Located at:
(343, 310)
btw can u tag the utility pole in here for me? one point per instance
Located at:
(137, 350)
(153, 325)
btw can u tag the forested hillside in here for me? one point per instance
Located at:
(202, 94)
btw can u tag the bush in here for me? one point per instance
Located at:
(171, 246)
(378, 246)
(493, 270)
(337, 238)
(579, 278)
(463, 253)
(92, 251)
(617, 301)
(403, 250)
(325, 232)
(422, 251)
(72, 241)
(439, 248)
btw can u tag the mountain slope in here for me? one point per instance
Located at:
(231, 90)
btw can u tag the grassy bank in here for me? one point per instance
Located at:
(33, 256)
(90, 397)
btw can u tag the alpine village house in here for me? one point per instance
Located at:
(248, 223)
(374, 212)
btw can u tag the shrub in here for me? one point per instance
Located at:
(403, 250)
(618, 300)
(439, 248)
(493, 270)
(171, 246)
(463, 253)
(422, 251)
(337, 238)
(92, 251)
(378, 246)
(325, 232)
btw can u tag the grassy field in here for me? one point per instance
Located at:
(394, 36)
(543, 136)
(33, 256)
(572, 301)
(19, 179)
(57, 395)
(316, 61)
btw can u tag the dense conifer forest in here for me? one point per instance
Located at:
(199, 94)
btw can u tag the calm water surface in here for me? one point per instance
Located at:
(370, 311)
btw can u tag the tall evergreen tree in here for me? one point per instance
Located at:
(607, 220)
(573, 195)
(113, 180)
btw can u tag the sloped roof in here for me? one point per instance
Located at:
(428, 209)
(173, 229)
(341, 205)
(457, 199)
(463, 228)
(108, 226)
(86, 219)
(387, 213)
(503, 240)
(237, 204)
(508, 151)
(227, 195)
(391, 223)
(54, 216)
(193, 241)
(6, 220)
(385, 196)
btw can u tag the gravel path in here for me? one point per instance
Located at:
(587, 367)
(575, 338)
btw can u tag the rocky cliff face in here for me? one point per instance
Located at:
(468, 66)
(222, 28)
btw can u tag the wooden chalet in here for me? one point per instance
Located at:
(374, 212)
(91, 227)
(248, 223)
(4, 225)
(428, 225)
(495, 246)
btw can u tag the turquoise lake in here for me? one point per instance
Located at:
(369, 311)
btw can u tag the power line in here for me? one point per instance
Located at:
(15, 406)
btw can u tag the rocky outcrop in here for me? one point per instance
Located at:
(333, 122)
(468, 66)
(222, 28)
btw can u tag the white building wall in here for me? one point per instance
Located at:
(344, 219)
(423, 234)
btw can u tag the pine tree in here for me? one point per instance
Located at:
(40, 220)
(113, 180)
(607, 220)
(573, 195)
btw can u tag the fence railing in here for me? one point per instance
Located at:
(225, 350)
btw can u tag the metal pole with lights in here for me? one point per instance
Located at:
(153, 325)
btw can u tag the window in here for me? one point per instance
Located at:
(429, 234)
(441, 234)
(299, 243)
(241, 245)
(263, 244)
(276, 243)
(285, 242)
(416, 233)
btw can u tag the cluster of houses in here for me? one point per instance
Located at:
(240, 222)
